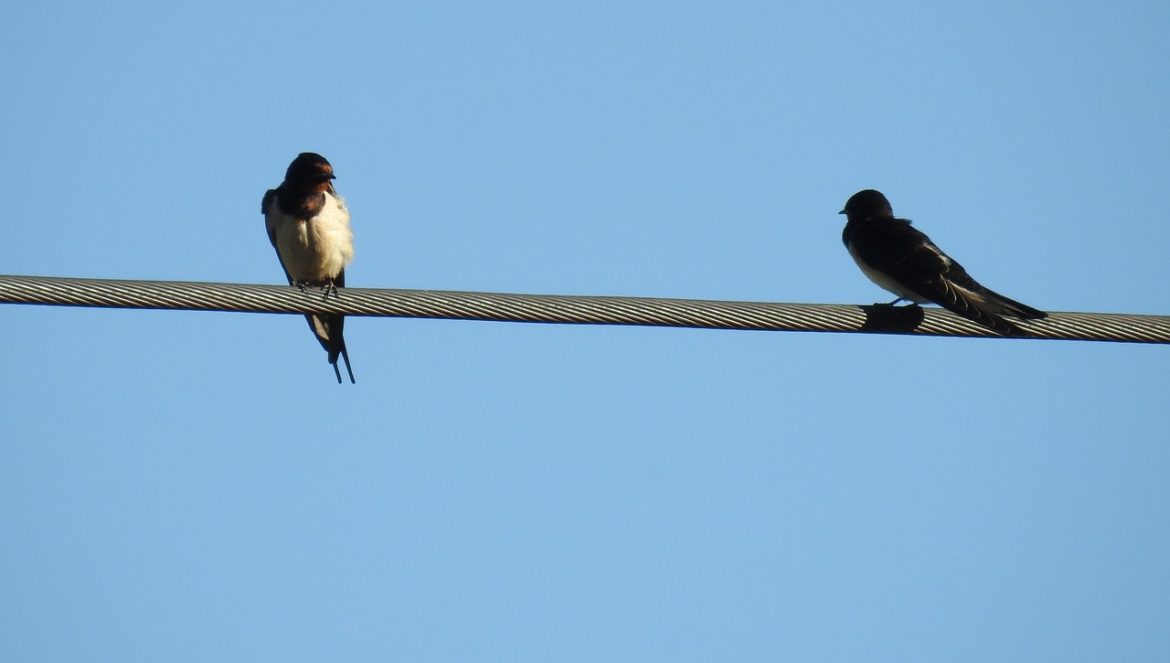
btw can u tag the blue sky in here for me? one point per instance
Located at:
(195, 486)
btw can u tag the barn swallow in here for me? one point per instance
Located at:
(308, 226)
(899, 258)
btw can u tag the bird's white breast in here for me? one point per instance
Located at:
(316, 249)
(885, 281)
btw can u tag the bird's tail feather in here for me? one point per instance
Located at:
(984, 317)
(337, 349)
(345, 356)
(1016, 309)
(979, 306)
(328, 330)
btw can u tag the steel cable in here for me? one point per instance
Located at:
(566, 309)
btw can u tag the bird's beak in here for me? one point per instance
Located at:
(841, 212)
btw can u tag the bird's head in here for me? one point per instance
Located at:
(867, 204)
(310, 171)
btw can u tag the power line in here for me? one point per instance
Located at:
(566, 309)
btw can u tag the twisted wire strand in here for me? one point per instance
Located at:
(567, 309)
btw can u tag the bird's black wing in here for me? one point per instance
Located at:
(266, 205)
(964, 291)
(898, 249)
(910, 258)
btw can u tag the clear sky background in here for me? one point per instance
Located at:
(195, 486)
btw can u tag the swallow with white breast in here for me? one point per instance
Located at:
(308, 226)
(899, 258)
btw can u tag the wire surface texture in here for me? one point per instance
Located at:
(565, 309)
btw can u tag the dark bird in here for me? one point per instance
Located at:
(308, 226)
(899, 258)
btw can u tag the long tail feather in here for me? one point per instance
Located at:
(345, 356)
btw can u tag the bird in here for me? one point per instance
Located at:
(903, 260)
(308, 225)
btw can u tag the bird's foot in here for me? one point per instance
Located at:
(330, 289)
